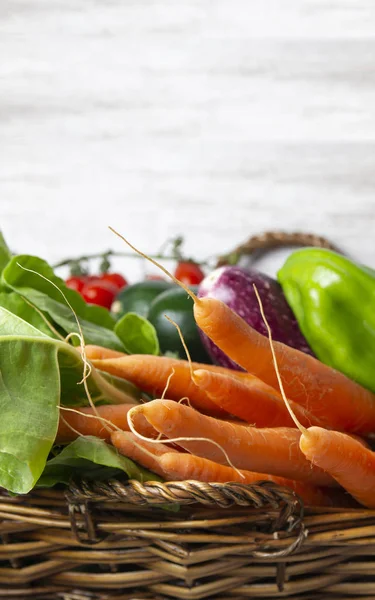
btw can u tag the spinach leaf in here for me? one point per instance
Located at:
(137, 334)
(17, 305)
(85, 458)
(29, 398)
(38, 372)
(16, 277)
(12, 325)
(62, 315)
(96, 322)
(5, 253)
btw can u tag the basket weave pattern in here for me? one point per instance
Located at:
(103, 541)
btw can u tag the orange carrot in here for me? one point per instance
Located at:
(174, 466)
(146, 454)
(275, 451)
(99, 352)
(182, 467)
(150, 373)
(102, 353)
(330, 396)
(349, 462)
(250, 400)
(86, 425)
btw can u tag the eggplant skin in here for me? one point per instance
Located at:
(234, 286)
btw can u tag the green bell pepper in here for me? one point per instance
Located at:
(333, 299)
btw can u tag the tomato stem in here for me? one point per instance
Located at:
(105, 256)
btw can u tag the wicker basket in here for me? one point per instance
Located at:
(188, 540)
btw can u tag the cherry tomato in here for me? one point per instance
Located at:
(76, 282)
(189, 273)
(115, 278)
(99, 292)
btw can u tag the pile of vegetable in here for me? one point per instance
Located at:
(279, 384)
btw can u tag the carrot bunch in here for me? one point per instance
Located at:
(287, 418)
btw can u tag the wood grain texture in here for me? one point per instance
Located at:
(215, 119)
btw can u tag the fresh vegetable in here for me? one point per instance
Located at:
(5, 253)
(50, 370)
(91, 458)
(250, 399)
(38, 320)
(178, 306)
(99, 292)
(333, 299)
(315, 386)
(95, 288)
(144, 453)
(137, 334)
(176, 466)
(72, 424)
(349, 462)
(181, 467)
(151, 374)
(100, 353)
(76, 282)
(49, 296)
(137, 298)
(116, 279)
(96, 322)
(189, 272)
(275, 451)
(235, 287)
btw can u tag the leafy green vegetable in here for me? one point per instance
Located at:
(137, 334)
(96, 322)
(29, 398)
(36, 373)
(5, 253)
(85, 458)
(17, 305)
(12, 325)
(39, 370)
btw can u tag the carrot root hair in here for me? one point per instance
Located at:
(167, 384)
(178, 439)
(86, 364)
(97, 416)
(282, 391)
(156, 264)
(192, 375)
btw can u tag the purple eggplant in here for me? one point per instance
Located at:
(234, 286)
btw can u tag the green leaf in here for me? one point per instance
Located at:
(5, 253)
(137, 334)
(103, 389)
(16, 304)
(15, 277)
(12, 325)
(85, 458)
(38, 372)
(29, 398)
(96, 322)
(62, 315)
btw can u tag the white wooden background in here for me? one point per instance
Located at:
(211, 118)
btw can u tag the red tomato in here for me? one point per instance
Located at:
(99, 292)
(115, 278)
(189, 273)
(76, 282)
